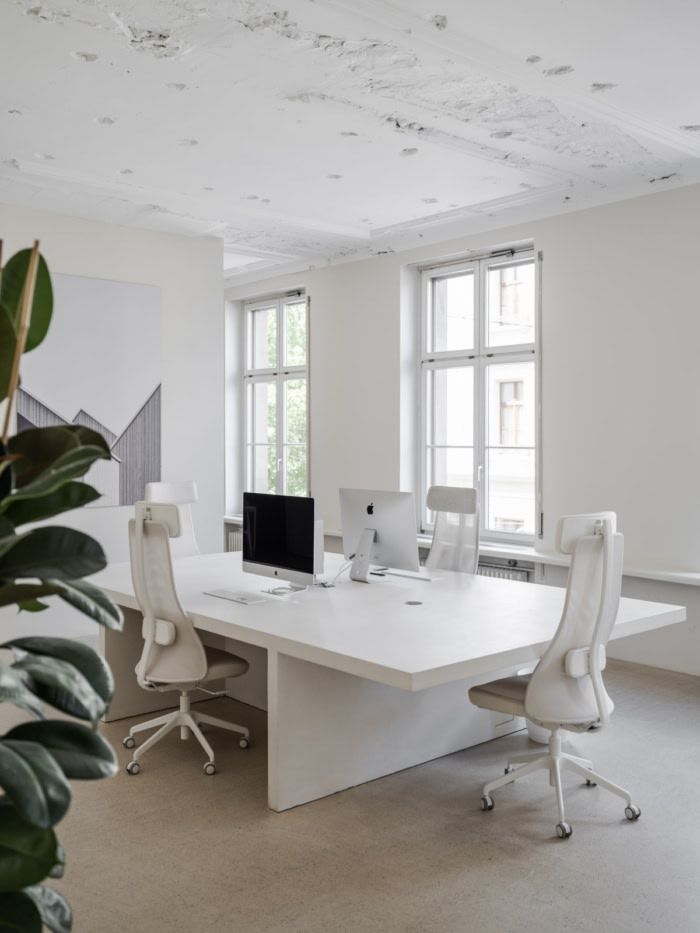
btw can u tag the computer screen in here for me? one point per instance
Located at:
(379, 527)
(278, 532)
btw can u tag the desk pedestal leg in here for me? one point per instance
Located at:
(329, 731)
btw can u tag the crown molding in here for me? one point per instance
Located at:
(503, 67)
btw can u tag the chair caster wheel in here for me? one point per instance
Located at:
(508, 769)
(210, 768)
(564, 830)
(487, 802)
(244, 743)
(129, 742)
(590, 783)
(133, 767)
(632, 812)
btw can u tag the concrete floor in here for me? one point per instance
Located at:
(174, 851)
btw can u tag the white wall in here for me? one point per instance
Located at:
(188, 273)
(354, 392)
(620, 394)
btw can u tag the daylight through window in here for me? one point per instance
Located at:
(479, 387)
(276, 396)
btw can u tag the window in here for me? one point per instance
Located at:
(276, 396)
(511, 396)
(479, 387)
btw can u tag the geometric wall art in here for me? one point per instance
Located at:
(99, 366)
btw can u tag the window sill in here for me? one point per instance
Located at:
(521, 552)
(529, 554)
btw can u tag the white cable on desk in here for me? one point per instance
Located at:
(345, 566)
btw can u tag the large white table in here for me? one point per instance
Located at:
(360, 683)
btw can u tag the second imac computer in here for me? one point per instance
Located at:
(282, 539)
(378, 528)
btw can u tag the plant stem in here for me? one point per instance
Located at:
(22, 331)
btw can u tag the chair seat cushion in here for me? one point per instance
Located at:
(504, 696)
(221, 664)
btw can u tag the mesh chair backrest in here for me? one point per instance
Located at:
(184, 660)
(182, 494)
(455, 544)
(590, 610)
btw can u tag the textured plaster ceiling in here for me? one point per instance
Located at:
(311, 132)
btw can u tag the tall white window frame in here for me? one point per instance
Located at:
(477, 359)
(279, 375)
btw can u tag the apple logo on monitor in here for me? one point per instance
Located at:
(370, 508)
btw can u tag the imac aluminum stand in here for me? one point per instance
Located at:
(284, 589)
(360, 565)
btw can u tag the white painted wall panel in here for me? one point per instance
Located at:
(188, 273)
(620, 338)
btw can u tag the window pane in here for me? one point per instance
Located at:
(450, 466)
(510, 443)
(295, 328)
(262, 468)
(450, 406)
(295, 461)
(451, 325)
(510, 397)
(262, 413)
(511, 490)
(295, 408)
(262, 330)
(511, 304)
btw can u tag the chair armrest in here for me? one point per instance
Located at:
(165, 633)
(577, 661)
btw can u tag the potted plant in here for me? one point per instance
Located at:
(40, 477)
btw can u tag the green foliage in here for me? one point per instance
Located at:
(61, 553)
(28, 853)
(41, 474)
(33, 781)
(27, 910)
(293, 353)
(38, 449)
(14, 276)
(81, 753)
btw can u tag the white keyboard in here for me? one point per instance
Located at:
(411, 574)
(243, 599)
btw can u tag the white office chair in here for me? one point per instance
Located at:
(455, 544)
(173, 656)
(566, 690)
(183, 495)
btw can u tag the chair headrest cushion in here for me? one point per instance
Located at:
(461, 499)
(572, 527)
(166, 513)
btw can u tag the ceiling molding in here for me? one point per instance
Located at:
(503, 67)
(169, 201)
(509, 202)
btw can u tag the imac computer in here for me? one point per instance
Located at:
(378, 528)
(282, 539)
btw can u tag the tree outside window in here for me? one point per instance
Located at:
(277, 396)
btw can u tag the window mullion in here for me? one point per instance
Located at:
(281, 413)
(480, 479)
(429, 466)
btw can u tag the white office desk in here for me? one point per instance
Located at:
(337, 656)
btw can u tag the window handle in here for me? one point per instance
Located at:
(479, 474)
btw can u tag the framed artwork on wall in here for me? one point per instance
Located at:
(100, 367)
